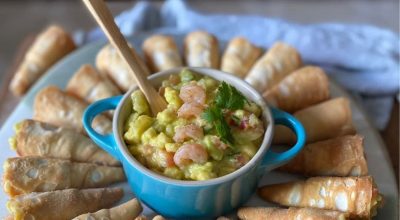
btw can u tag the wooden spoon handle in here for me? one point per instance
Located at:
(104, 18)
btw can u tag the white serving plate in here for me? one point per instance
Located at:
(377, 156)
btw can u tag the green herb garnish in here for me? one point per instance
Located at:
(227, 97)
(214, 115)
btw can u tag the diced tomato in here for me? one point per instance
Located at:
(241, 160)
(170, 159)
(174, 79)
(165, 159)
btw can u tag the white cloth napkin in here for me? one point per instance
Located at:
(362, 58)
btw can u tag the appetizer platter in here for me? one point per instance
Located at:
(336, 127)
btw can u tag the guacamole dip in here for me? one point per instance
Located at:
(208, 130)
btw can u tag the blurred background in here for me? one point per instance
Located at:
(22, 20)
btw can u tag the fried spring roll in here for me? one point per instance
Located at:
(357, 196)
(161, 53)
(262, 213)
(323, 121)
(341, 156)
(34, 138)
(158, 217)
(125, 211)
(111, 64)
(89, 85)
(24, 175)
(239, 57)
(273, 66)
(302, 88)
(50, 45)
(201, 50)
(62, 204)
(223, 218)
(59, 108)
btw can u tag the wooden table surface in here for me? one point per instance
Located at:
(390, 135)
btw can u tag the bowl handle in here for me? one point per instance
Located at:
(273, 160)
(106, 142)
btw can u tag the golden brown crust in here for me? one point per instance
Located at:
(62, 204)
(141, 217)
(24, 175)
(329, 119)
(110, 64)
(279, 61)
(262, 213)
(239, 57)
(341, 156)
(50, 45)
(201, 50)
(34, 138)
(352, 195)
(57, 107)
(302, 88)
(89, 85)
(221, 218)
(126, 211)
(161, 53)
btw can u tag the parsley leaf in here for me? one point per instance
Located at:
(228, 97)
(211, 114)
(214, 116)
(224, 131)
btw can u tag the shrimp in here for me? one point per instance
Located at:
(188, 110)
(188, 131)
(193, 93)
(190, 152)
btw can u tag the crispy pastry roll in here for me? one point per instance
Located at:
(304, 87)
(223, 218)
(34, 138)
(201, 50)
(89, 85)
(125, 211)
(263, 213)
(357, 196)
(158, 217)
(59, 108)
(325, 120)
(111, 64)
(239, 57)
(49, 46)
(23, 175)
(341, 156)
(280, 60)
(62, 204)
(161, 53)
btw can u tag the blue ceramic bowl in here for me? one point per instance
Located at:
(181, 199)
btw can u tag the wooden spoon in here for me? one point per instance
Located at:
(103, 16)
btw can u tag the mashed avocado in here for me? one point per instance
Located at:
(209, 129)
